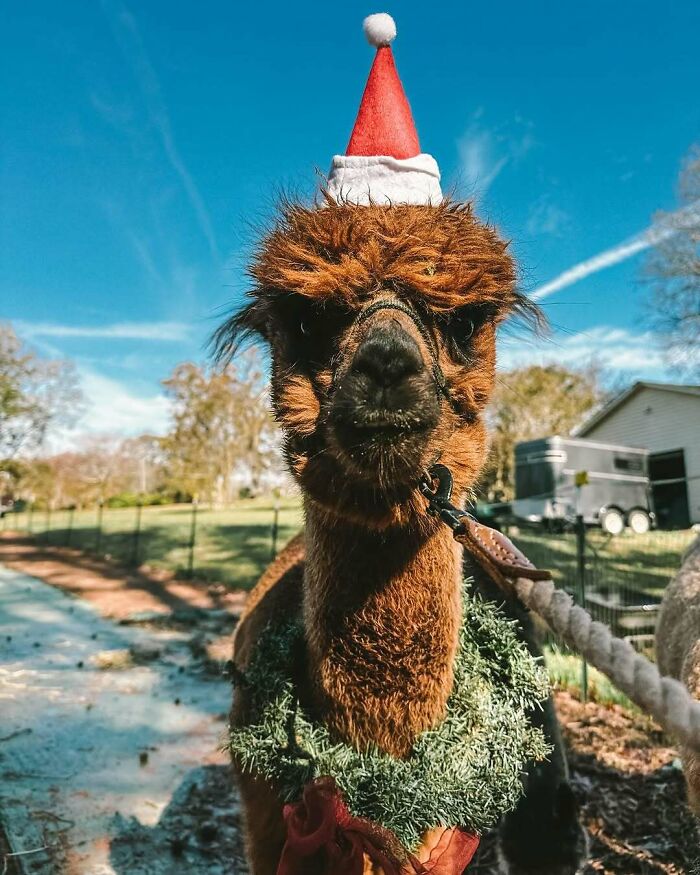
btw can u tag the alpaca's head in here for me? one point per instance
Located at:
(381, 323)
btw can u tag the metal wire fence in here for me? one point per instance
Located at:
(230, 546)
(620, 580)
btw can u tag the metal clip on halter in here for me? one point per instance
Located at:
(439, 504)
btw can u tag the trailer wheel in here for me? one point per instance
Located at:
(612, 521)
(638, 520)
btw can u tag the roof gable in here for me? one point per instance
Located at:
(621, 399)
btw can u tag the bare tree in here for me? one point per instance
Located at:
(35, 393)
(673, 269)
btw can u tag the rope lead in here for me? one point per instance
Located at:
(666, 699)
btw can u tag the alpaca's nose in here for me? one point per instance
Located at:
(387, 357)
(386, 395)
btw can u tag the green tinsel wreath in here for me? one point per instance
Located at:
(465, 772)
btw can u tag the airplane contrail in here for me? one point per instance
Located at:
(669, 225)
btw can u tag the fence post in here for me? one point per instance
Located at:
(275, 529)
(69, 533)
(47, 533)
(137, 536)
(581, 573)
(193, 539)
(98, 538)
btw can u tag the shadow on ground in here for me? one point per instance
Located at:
(198, 832)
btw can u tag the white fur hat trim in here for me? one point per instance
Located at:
(381, 179)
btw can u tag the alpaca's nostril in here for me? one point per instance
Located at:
(387, 356)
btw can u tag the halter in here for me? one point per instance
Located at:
(427, 337)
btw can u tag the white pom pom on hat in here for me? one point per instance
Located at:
(380, 29)
(383, 162)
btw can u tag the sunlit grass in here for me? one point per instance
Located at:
(565, 673)
(232, 545)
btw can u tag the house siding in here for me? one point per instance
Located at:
(658, 420)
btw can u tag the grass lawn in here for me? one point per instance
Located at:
(565, 674)
(633, 563)
(232, 546)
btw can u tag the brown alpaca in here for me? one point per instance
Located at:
(678, 648)
(381, 322)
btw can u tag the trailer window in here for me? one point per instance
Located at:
(534, 479)
(629, 463)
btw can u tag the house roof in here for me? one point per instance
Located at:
(605, 411)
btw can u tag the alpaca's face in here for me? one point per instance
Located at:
(371, 397)
(381, 324)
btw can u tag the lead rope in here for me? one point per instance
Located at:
(666, 699)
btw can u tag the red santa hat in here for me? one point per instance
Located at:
(383, 163)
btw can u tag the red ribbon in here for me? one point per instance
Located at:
(323, 838)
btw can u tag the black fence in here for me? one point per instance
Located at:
(619, 579)
(230, 546)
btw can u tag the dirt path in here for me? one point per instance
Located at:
(114, 590)
(109, 760)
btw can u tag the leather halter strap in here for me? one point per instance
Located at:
(410, 311)
(497, 554)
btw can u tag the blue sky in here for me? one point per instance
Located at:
(140, 141)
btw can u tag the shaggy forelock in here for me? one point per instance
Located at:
(440, 256)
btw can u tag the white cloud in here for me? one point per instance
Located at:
(615, 349)
(480, 164)
(160, 331)
(484, 152)
(546, 217)
(670, 224)
(112, 408)
(128, 37)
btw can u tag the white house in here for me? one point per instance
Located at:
(663, 418)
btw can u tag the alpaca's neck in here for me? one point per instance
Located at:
(382, 613)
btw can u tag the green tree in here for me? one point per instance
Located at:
(223, 436)
(35, 393)
(532, 402)
(673, 270)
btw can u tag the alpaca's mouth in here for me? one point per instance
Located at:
(381, 426)
(385, 404)
(386, 444)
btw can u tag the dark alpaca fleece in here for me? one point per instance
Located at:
(543, 833)
(678, 649)
(377, 579)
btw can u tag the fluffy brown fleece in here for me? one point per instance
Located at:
(381, 634)
(678, 648)
(441, 257)
(314, 270)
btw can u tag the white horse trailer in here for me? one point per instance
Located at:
(617, 492)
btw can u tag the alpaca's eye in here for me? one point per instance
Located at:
(460, 329)
(466, 329)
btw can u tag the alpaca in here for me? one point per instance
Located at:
(381, 324)
(678, 649)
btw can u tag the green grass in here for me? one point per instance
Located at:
(232, 546)
(640, 563)
(565, 673)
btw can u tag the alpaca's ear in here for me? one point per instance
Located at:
(249, 322)
(526, 311)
